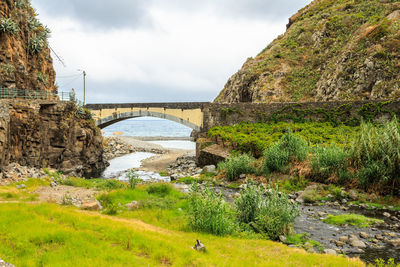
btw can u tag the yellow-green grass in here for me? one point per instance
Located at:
(12, 193)
(352, 219)
(51, 235)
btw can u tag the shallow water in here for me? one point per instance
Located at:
(122, 164)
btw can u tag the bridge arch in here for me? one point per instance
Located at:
(117, 117)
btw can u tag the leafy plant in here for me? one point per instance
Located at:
(276, 215)
(7, 25)
(42, 77)
(133, 179)
(236, 166)
(161, 189)
(249, 204)
(290, 148)
(375, 152)
(327, 161)
(208, 212)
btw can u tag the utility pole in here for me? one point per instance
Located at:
(84, 86)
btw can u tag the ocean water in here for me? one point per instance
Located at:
(148, 126)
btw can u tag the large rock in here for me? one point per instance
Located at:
(91, 205)
(58, 135)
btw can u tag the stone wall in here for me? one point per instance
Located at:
(56, 135)
(349, 113)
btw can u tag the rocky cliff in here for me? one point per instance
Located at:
(25, 61)
(60, 135)
(332, 50)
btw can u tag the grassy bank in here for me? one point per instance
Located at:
(50, 235)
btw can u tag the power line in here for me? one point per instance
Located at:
(65, 85)
(59, 58)
(68, 76)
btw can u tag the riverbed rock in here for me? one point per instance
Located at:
(91, 205)
(364, 235)
(330, 252)
(394, 242)
(386, 214)
(5, 264)
(357, 243)
(209, 168)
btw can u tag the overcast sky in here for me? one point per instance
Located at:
(158, 50)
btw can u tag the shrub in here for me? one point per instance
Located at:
(208, 212)
(276, 215)
(161, 190)
(289, 148)
(249, 203)
(276, 159)
(133, 179)
(237, 165)
(327, 161)
(375, 152)
(7, 25)
(268, 212)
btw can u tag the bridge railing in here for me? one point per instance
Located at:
(14, 93)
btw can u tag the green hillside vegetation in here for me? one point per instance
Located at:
(332, 50)
(367, 156)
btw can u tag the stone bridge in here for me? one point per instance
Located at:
(189, 114)
(201, 116)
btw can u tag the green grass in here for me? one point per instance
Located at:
(303, 241)
(64, 236)
(351, 219)
(101, 184)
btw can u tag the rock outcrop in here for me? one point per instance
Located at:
(58, 135)
(25, 60)
(331, 51)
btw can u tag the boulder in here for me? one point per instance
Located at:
(91, 205)
(209, 168)
(394, 242)
(330, 252)
(356, 243)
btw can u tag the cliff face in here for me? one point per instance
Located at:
(25, 61)
(61, 136)
(332, 50)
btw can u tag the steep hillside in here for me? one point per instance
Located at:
(332, 50)
(25, 61)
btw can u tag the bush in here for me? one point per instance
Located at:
(375, 152)
(236, 166)
(268, 212)
(7, 25)
(290, 148)
(249, 203)
(208, 212)
(133, 179)
(276, 215)
(328, 161)
(276, 159)
(161, 190)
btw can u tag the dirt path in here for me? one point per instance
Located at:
(62, 193)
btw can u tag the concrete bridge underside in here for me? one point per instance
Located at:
(187, 114)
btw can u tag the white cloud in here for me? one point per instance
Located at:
(187, 52)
